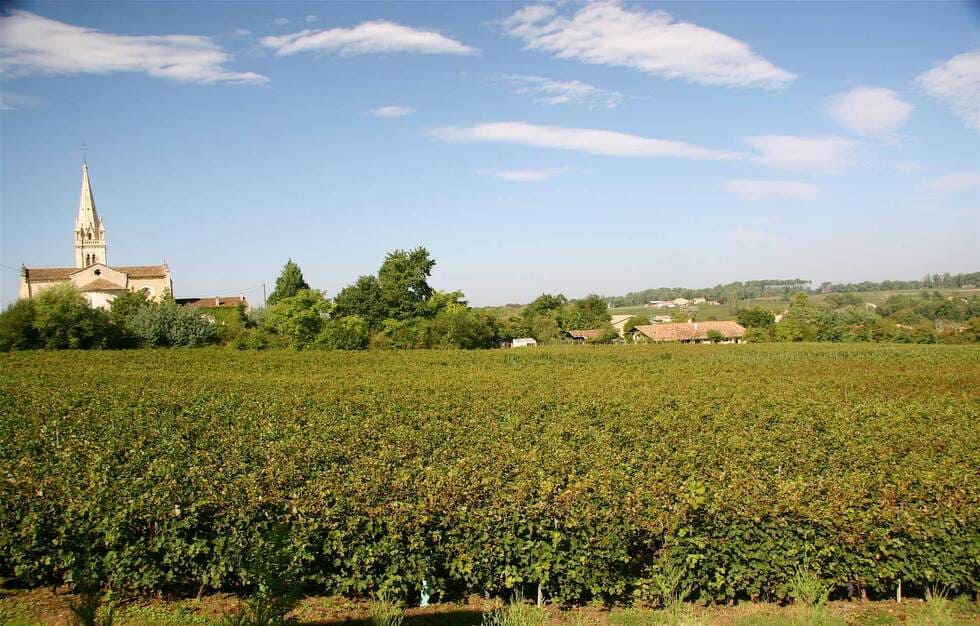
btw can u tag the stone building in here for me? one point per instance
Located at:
(92, 275)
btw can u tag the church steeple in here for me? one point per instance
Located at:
(89, 231)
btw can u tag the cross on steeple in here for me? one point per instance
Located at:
(84, 149)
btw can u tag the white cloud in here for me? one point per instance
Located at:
(243, 32)
(548, 91)
(869, 110)
(651, 41)
(377, 37)
(951, 183)
(790, 152)
(281, 21)
(524, 176)
(31, 44)
(768, 189)
(11, 101)
(312, 18)
(957, 82)
(392, 111)
(588, 140)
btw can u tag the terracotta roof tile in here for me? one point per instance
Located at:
(209, 302)
(101, 284)
(41, 274)
(687, 331)
(585, 334)
(142, 271)
(49, 273)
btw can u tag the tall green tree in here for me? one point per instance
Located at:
(299, 318)
(289, 283)
(403, 279)
(362, 299)
(17, 330)
(63, 319)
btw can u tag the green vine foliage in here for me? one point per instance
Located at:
(612, 474)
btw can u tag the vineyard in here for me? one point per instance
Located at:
(592, 472)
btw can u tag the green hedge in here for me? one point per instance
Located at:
(482, 472)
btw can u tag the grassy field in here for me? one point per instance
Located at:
(594, 473)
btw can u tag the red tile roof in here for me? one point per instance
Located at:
(101, 284)
(585, 334)
(42, 274)
(39, 274)
(690, 331)
(212, 302)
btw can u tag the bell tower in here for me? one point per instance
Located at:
(89, 230)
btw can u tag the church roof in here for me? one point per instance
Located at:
(101, 284)
(42, 274)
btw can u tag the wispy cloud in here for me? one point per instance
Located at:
(392, 111)
(818, 154)
(378, 37)
(281, 21)
(525, 176)
(757, 190)
(957, 83)
(11, 101)
(553, 92)
(31, 44)
(869, 110)
(909, 166)
(650, 41)
(951, 183)
(592, 141)
(243, 32)
(309, 19)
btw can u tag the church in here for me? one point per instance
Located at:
(92, 275)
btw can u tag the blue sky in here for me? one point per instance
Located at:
(531, 148)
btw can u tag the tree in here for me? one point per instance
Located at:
(544, 304)
(403, 279)
(715, 336)
(756, 317)
(636, 320)
(121, 310)
(588, 313)
(463, 328)
(299, 318)
(168, 324)
(17, 331)
(63, 319)
(289, 283)
(362, 299)
(344, 333)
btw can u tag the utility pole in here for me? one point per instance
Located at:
(263, 295)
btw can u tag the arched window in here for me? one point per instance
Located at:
(90, 235)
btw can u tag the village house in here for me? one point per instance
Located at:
(215, 302)
(689, 332)
(523, 342)
(619, 322)
(583, 336)
(92, 276)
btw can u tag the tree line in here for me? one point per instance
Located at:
(735, 291)
(923, 318)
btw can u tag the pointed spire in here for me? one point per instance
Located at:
(89, 231)
(87, 214)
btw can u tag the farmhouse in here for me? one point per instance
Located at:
(523, 342)
(690, 332)
(619, 322)
(214, 302)
(92, 275)
(582, 336)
